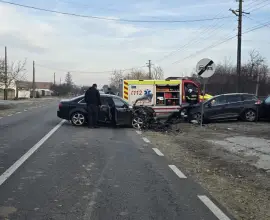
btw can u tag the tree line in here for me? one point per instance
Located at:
(117, 75)
(254, 78)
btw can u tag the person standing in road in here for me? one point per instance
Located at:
(92, 99)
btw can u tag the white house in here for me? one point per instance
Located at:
(11, 90)
(23, 89)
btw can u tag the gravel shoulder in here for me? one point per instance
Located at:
(230, 160)
(11, 107)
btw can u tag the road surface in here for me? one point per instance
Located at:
(98, 174)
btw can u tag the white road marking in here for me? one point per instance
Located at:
(10, 115)
(146, 140)
(158, 152)
(217, 212)
(25, 110)
(139, 132)
(177, 172)
(18, 112)
(19, 162)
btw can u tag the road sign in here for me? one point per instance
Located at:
(206, 68)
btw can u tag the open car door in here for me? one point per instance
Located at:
(123, 114)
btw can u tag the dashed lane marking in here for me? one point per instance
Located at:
(18, 112)
(139, 132)
(177, 172)
(158, 152)
(9, 115)
(146, 140)
(25, 110)
(217, 212)
(19, 162)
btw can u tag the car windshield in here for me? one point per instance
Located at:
(267, 100)
(123, 100)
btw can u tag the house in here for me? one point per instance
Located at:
(23, 89)
(44, 88)
(11, 90)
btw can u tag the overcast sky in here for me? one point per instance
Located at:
(83, 46)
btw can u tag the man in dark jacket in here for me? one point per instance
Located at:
(110, 91)
(92, 99)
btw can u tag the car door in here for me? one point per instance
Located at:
(123, 112)
(235, 105)
(82, 104)
(104, 114)
(265, 108)
(215, 108)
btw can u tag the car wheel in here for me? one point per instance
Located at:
(78, 119)
(137, 122)
(197, 116)
(250, 115)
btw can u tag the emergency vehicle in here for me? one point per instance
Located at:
(165, 96)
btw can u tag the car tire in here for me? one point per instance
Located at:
(78, 119)
(196, 116)
(137, 122)
(250, 115)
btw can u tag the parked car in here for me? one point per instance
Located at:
(75, 110)
(227, 106)
(264, 109)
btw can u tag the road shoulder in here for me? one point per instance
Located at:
(241, 188)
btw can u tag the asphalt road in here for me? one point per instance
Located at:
(98, 174)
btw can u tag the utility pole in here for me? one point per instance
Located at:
(60, 80)
(6, 77)
(34, 83)
(149, 67)
(239, 13)
(54, 78)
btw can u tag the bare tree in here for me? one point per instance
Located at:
(136, 74)
(15, 72)
(115, 78)
(157, 73)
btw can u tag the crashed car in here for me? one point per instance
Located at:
(75, 110)
(264, 109)
(225, 107)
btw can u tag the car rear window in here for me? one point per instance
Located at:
(249, 97)
(233, 98)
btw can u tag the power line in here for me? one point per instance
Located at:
(89, 6)
(257, 27)
(88, 72)
(113, 19)
(206, 48)
(253, 3)
(256, 20)
(224, 41)
(255, 9)
(201, 33)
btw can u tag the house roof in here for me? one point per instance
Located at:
(43, 85)
(24, 84)
(39, 85)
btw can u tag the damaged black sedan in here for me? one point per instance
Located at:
(75, 110)
(242, 106)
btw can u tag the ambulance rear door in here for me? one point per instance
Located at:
(138, 89)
